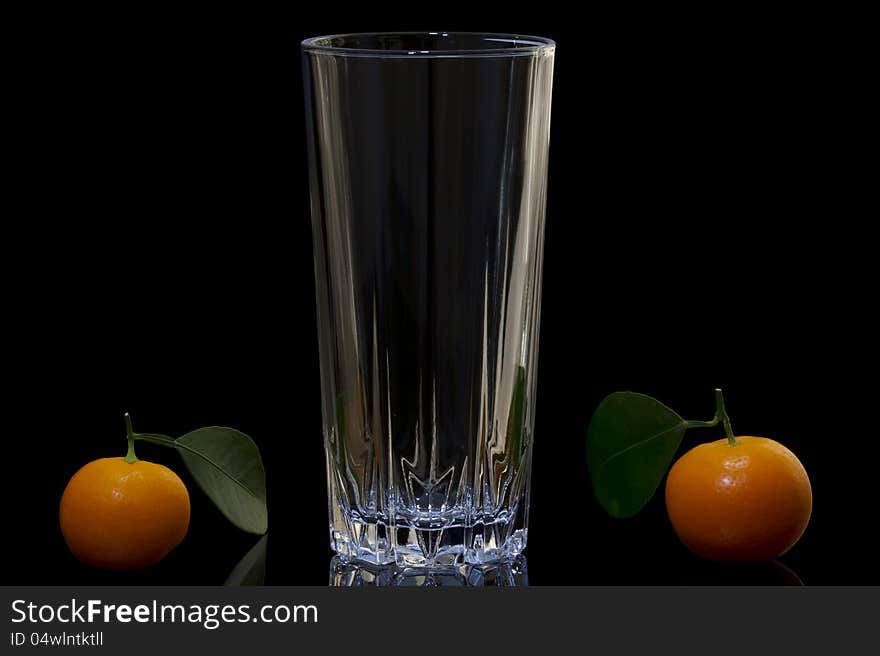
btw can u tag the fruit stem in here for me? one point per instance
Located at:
(130, 457)
(164, 440)
(693, 423)
(720, 417)
(721, 413)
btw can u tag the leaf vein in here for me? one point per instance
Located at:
(232, 478)
(640, 443)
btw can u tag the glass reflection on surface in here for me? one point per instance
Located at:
(505, 574)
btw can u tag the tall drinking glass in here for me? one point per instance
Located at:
(428, 167)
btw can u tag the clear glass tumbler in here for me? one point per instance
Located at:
(428, 167)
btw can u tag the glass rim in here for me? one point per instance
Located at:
(522, 44)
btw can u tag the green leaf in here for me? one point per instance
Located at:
(227, 466)
(631, 441)
(251, 569)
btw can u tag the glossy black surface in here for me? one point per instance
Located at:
(700, 233)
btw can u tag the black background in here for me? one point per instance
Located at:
(701, 232)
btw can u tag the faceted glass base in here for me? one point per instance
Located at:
(435, 541)
(512, 573)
